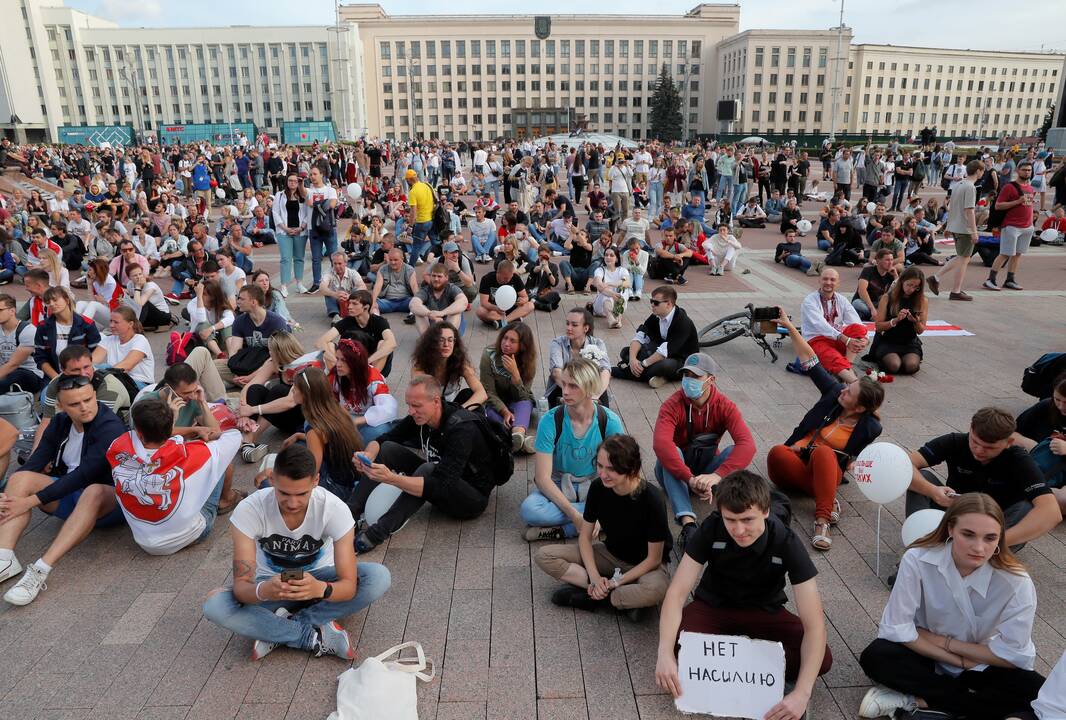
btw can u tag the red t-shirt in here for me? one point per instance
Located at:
(1021, 215)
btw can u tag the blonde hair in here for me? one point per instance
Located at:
(284, 348)
(585, 374)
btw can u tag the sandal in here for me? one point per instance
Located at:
(821, 539)
(834, 517)
(228, 507)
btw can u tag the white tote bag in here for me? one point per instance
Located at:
(381, 688)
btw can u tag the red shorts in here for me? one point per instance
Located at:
(831, 353)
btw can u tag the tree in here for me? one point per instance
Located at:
(666, 120)
(1048, 119)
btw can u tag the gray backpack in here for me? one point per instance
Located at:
(17, 408)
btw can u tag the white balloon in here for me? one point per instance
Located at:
(220, 192)
(882, 471)
(354, 191)
(506, 297)
(920, 524)
(870, 207)
(379, 502)
(1049, 235)
(804, 226)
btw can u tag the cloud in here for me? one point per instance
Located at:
(125, 11)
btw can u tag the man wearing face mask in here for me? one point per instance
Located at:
(688, 431)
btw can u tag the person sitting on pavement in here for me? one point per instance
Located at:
(744, 553)
(66, 477)
(507, 370)
(672, 258)
(901, 316)
(266, 395)
(790, 253)
(16, 351)
(612, 282)
(832, 433)
(791, 216)
(488, 311)
(567, 436)
(170, 488)
(292, 586)
(661, 344)
(956, 635)
(360, 389)
(578, 341)
(440, 353)
(460, 269)
(394, 287)
(338, 285)
(544, 277)
(751, 215)
(62, 325)
(832, 327)
(1042, 433)
(722, 249)
(637, 550)
(874, 281)
(362, 326)
(986, 460)
(439, 300)
(453, 472)
(688, 431)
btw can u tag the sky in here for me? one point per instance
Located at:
(978, 24)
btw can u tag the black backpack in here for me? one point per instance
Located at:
(997, 216)
(498, 441)
(1038, 378)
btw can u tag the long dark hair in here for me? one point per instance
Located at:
(215, 298)
(427, 359)
(526, 357)
(353, 388)
(895, 295)
(324, 414)
(1058, 419)
(300, 191)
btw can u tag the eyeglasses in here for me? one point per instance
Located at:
(68, 382)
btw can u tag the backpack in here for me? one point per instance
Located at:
(180, 345)
(996, 217)
(601, 422)
(1038, 378)
(498, 440)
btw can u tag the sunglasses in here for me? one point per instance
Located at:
(656, 303)
(68, 382)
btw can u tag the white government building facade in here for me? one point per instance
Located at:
(483, 76)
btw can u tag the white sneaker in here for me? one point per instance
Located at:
(28, 587)
(262, 648)
(300, 288)
(880, 701)
(9, 568)
(284, 290)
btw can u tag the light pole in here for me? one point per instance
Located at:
(124, 72)
(411, 96)
(342, 71)
(836, 89)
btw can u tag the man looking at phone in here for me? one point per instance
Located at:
(986, 460)
(295, 570)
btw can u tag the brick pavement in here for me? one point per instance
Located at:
(118, 634)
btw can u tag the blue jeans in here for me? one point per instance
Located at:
(899, 192)
(420, 239)
(655, 198)
(292, 248)
(7, 275)
(494, 188)
(538, 511)
(210, 508)
(740, 195)
(482, 248)
(1049, 462)
(322, 246)
(638, 283)
(399, 305)
(260, 623)
(243, 262)
(332, 308)
(824, 244)
(578, 276)
(797, 262)
(677, 490)
(725, 187)
(373, 432)
(862, 308)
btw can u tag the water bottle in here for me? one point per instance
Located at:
(616, 578)
(542, 405)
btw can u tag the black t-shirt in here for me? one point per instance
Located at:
(374, 155)
(350, 329)
(381, 255)
(579, 256)
(754, 576)
(1009, 477)
(901, 167)
(489, 283)
(1036, 422)
(877, 284)
(630, 521)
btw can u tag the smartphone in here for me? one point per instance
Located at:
(290, 575)
(165, 393)
(764, 314)
(363, 458)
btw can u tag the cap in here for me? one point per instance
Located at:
(700, 364)
(450, 247)
(411, 175)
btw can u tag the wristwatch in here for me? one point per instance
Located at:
(328, 591)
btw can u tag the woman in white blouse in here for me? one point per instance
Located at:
(612, 284)
(956, 635)
(126, 348)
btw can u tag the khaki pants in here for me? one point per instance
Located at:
(647, 591)
(200, 361)
(620, 201)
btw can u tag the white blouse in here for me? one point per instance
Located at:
(1050, 704)
(988, 607)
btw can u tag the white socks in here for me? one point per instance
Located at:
(44, 567)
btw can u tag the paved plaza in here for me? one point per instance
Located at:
(119, 634)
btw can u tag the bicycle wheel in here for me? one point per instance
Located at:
(724, 329)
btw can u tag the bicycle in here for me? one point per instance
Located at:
(737, 325)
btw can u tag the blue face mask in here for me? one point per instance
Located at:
(692, 387)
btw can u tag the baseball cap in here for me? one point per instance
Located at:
(411, 175)
(700, 364)
(450, 247)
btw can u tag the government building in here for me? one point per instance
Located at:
(68, 76)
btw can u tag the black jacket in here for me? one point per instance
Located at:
(828, 409)
(681, 340)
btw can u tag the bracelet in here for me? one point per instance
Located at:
(258, 409)
(257, 596)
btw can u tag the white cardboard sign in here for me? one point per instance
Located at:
(729, 675)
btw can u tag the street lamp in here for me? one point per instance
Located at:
(836, 89)
(124, 72)
(411, 97)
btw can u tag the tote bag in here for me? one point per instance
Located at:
(381, 688)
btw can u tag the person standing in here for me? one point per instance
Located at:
(842, 171)
(420, 216)
(962, 224)
(292, 218)
(321, 204)
(1016, 198)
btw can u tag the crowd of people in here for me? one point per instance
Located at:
(448, 236)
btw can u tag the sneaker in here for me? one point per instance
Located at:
(681, 280)
(9, 568)
(517, 440)
(185, 296)
(537, 534)
(363, 543)
(637, 615)
(557, 253)
(563, 595)
(989, 285)
(880, 701)
(529, 445)
(669, 280)
(334, 640)
(333, 318)
(409, 319)
(28, 587)
(656, 382)
(419, 262)
(312, 290)
(300, 288)
(683, 537)
(171, 298)
(960, 296)
(284, 290)
(812, 272)
(1011, 285)
(262, 648)
(253, 453)
(934, 284)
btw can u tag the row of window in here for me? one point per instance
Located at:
(214, 52)
(962, 69)
(490, 86)
(505, 118)
(947, 101)
(429, 48)
(476, 102)
(971, 85)
(1019, 119)
(790, 57)
(682, 70)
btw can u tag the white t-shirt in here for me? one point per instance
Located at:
(107, 290)
(612, 278)
(72, 450)
(153, 293)
(62, 336)
(142, 372)
(326, 192)
(308, 547)
(9, 344)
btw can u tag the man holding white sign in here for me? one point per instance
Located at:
(742, 592)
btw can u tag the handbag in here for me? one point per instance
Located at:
(247, 360)
(381, 688)
(16, 407)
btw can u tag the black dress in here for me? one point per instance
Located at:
(901, 340)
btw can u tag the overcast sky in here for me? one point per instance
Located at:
(984, 24)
